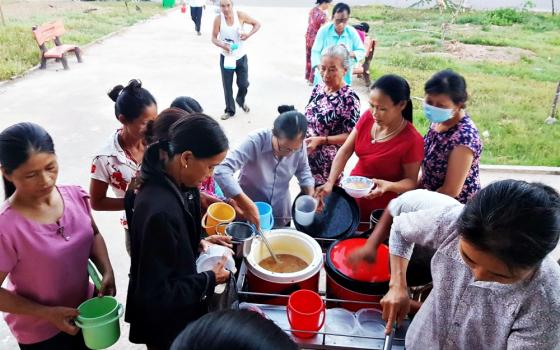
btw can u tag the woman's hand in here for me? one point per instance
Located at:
(62, 318)
(321, 192)
(222, 275)
(312, 143)
(219, 240)
(396, 305)
(361, 254)
(108, 286)
(381, 186)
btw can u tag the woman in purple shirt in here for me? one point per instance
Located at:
(47, 235)
(452, 147)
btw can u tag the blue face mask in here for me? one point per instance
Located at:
(436, 114)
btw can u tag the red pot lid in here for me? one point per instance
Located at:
(364, 272)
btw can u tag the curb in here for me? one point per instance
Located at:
(520, 169)
(84, 47)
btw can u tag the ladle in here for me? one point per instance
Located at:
(265, 240)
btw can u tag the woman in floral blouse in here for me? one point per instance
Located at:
(452, 146)
(332, 112)
(118, 162)
(317, 17)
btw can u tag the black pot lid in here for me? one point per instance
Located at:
(339, 218)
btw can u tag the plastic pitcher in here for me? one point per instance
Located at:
(266, 216)
(306, 312)
(305, 210)
(217, 213)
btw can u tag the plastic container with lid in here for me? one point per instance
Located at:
(341, 321)
(370, 323)
(367, 282)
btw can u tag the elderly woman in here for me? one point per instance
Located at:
(317, 17)
(332, 112)
(338, 32)
(267, 160)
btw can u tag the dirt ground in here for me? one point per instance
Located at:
(486, 53)
(469, 52)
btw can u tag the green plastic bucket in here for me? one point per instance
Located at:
(99, 321)
(168, 3)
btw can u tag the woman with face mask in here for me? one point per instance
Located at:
(452, 146)
(495, 285)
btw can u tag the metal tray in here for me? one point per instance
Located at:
(321, 339)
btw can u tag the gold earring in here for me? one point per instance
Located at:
(186, 166)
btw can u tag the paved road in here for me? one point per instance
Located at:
(171, 61)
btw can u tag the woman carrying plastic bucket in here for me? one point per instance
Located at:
(47, 236)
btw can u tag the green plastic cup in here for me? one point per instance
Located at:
(99, 321)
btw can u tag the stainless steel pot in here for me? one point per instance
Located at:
(241, 235)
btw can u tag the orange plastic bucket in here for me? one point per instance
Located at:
(306, 312)
(217, 213)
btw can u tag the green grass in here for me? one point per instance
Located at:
(19, 51)
(509, 100)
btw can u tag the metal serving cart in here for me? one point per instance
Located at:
(321, 339)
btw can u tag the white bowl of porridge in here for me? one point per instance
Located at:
(357, 186)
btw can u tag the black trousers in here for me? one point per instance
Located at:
(61, 341)
(196, 16)
(242, 73)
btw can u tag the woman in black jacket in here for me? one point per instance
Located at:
(165, 292)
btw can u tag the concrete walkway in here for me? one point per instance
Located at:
(171, 61)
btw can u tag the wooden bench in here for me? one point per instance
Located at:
(363, 69)
(52, 32)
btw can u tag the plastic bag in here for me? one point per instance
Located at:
(229, 299)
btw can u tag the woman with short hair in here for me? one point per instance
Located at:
(335, 33)
(267, 160)
(332, 112)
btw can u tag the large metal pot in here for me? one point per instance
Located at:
(241, 234)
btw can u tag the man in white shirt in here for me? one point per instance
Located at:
(229, 36)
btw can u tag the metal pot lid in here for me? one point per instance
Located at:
(339, 218)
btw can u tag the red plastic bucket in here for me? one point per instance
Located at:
(306, 312)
